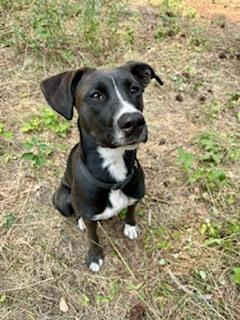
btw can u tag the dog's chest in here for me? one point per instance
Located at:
(118, 202)
(112, 160)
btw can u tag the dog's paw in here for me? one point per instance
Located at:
(81, 224)
(94, 263)
(130, 231)
(95, 266)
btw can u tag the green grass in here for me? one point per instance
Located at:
(41, 28)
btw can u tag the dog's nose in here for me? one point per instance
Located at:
(131, 122)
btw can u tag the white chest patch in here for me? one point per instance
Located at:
(118, 201)
(114, 162)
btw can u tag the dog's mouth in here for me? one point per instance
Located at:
(128, 141)
(131, 142)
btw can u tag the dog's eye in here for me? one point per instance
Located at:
(134, 90)
(97, 96)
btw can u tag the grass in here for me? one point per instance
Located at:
(185, 264)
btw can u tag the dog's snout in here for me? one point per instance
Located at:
(131, 122)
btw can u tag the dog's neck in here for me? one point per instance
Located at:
(106, 164)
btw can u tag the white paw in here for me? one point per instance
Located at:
(130, 231)
(95, 266)
(81, 224)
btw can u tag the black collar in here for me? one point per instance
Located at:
(101, 184)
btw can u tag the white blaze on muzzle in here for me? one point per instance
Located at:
(125, 106)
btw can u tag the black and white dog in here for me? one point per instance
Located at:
(103, 175)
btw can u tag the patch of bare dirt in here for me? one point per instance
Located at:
(212, 8)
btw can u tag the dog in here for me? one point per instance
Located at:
(103, 175)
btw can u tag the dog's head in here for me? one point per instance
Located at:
(109, 102)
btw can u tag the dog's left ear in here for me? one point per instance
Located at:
(143, 72)
(59, 91)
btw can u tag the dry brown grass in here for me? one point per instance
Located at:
(42, 254)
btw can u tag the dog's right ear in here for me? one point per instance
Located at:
(59, 91)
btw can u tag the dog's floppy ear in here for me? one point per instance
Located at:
(59, 91)
(142, 72)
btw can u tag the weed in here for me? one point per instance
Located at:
(122, 214)
(89, 24)
(180, 82)
(33, 124)
(233, 102)
(213, 151)
(235, 276)
(42, 29)
(162, 33)
(47, 120)
(211, 178)
(197, 85)
(213, 110)
(202, 274)
(234, 99)
(157, 238)
(85, 300)
(186, 159)
(231, 199)
(52, 121)
(37, 152)
(204, 167)
(3, 298)
(9, 220)
(216, 179)
(8, 134)
(223, 235)
(210, 230)
(110, 295)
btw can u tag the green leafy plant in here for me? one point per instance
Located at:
(52, 121)
(210, 177)
(112, 292)
(3, 298)
(122, 214)
(234, 103)
(224, 235)
(157, 238)
(234, 99)
(8, 134)
(235, 276)
(212, 150)
(211, 231)
(9, 220)
(37, 152)
(33, 124)
(215, 178)
(47, 119)
(206, 166)
(186, 159)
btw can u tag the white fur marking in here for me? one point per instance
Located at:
(130, 231)
(114, 162)
(95, 267)
(81, 224)
(118, 201)
(125, 107)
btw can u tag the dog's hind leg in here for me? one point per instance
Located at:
(62, 200)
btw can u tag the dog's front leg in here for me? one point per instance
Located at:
(130, 228)
(94, 257)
